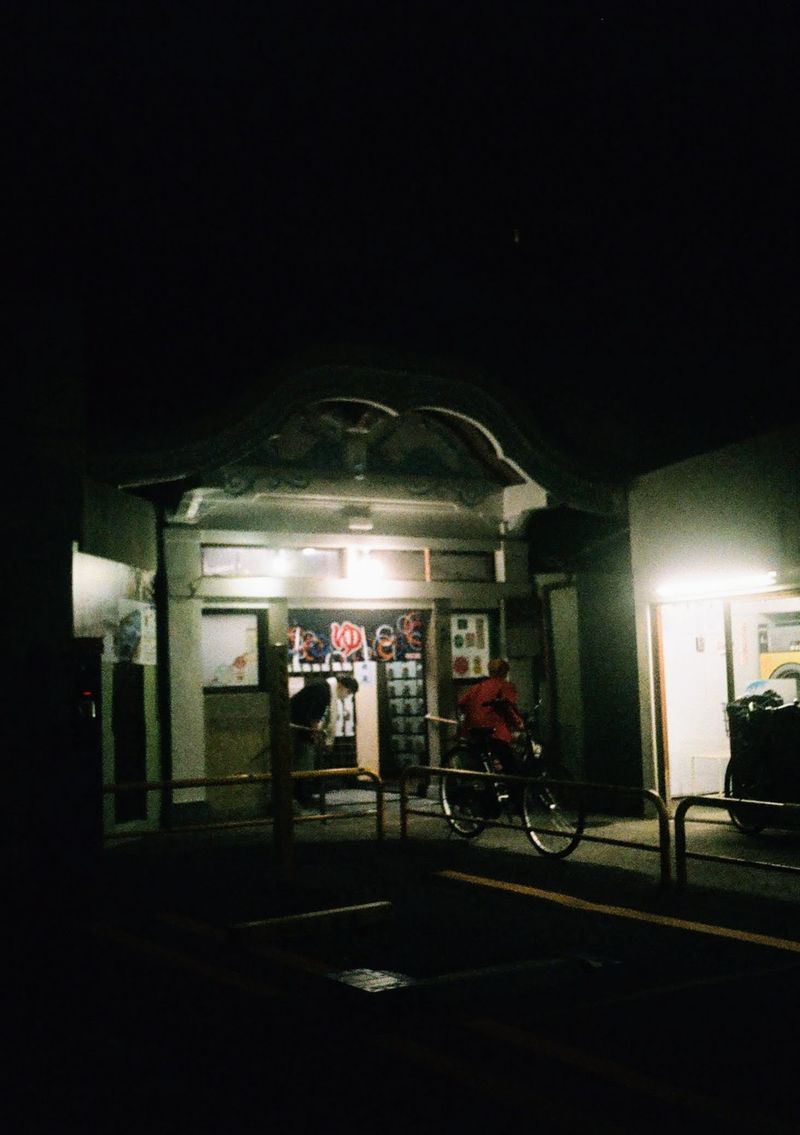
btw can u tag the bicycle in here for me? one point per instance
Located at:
(750, 785)
(551, 812)
(765, 735)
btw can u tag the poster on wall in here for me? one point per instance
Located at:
(469, 641)
(321, 639)
(114, 602)
(230, 650)
(135, 635)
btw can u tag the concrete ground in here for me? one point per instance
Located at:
(717, 854)
(196, 984)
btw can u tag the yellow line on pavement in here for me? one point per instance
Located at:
(625, 912)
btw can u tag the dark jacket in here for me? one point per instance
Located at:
(307, 706)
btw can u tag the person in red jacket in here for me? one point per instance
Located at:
(502, 719)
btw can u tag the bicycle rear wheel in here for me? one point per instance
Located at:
(747, 818)
(553, 814)
(462, 799)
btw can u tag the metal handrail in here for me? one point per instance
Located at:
(584, 787)
(724, 802)
(252, 778)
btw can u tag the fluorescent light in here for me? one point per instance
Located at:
(363, 567)
(713, 585)
(359, 522)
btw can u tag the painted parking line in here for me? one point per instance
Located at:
(625, 912)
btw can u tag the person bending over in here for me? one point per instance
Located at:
(312, 717)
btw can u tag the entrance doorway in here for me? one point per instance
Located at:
(384, 649)
(712, 652)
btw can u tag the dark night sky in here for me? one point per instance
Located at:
(247, 180)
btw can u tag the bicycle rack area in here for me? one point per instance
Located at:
(253, 778)
(724, 803)
(586, 788)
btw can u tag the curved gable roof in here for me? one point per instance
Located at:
(484, 418)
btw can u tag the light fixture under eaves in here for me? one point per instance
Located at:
(713, 586)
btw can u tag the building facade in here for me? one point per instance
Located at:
(715, 549)
(390, 542)
(407, 548)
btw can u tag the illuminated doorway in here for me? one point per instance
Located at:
(712, 652)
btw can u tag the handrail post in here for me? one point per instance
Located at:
(663, 834)
(280, 760)
(403, 804)
(380, 805)
(380, 809)
(724, 803)
(680, 840)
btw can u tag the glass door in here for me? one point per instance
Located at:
(695, 693)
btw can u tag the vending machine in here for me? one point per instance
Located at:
(404, 730)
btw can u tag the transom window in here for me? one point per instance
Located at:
(414, 565)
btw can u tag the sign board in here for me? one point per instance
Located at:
(469, 640)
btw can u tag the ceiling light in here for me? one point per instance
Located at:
(717, 585)
(359, 522)
(364, 567)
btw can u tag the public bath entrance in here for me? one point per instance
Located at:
(383, 728)
(389, 544)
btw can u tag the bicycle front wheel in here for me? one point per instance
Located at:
(553, 814)
(462, 799)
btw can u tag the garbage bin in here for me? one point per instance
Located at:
(782, 738)
(764, 763)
